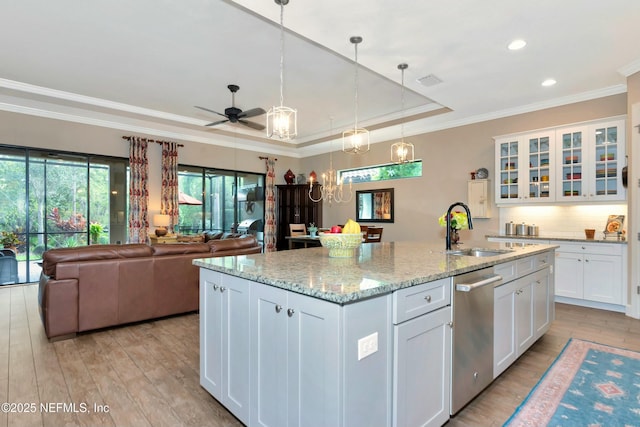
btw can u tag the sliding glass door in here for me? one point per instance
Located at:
(51, 199)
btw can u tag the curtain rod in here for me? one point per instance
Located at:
(265, 158)
(128, 138)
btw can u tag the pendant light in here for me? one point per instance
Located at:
(356, 140)
(331, 189)
(282, 122)
(402, 152)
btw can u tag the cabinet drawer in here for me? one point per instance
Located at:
(543, 260)
(592, 248)
(420, 299)
(507, 270)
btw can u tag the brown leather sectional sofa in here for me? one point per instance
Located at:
(93, 287)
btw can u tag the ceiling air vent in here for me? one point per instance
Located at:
(429, 80)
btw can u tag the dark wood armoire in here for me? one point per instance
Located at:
(295, 207)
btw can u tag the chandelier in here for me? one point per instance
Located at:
(356, 140)
(282, 122)
(402, 152)
(331, 190)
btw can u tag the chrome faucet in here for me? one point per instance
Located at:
(466, 208)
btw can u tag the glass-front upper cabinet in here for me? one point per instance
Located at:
(524, 164)
(539, 178)
(607, 159)
(507, 167)
(592, 157)
(571, 163)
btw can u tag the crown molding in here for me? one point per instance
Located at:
(630, 68)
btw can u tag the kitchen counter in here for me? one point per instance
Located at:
(379, 268)
(555, 239)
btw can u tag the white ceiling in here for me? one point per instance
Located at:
(142, 66)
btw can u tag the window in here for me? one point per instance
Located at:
(230, 201)
(382, 172)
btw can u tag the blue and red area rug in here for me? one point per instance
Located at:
(588, 384)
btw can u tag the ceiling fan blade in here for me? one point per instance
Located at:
(217, 123)
(251, 113)
(211, 111)
(256, 126)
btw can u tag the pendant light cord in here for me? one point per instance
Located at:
(402, 106)
(281, 54)
(356, 85)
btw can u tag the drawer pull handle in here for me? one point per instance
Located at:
(222, 289)
(428, 298)
(290, 312)
(278, 308)
(215, 287)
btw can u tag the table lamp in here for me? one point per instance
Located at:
(161, 221)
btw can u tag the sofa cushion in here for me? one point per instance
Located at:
(180, 249)
(94, 252)
(234, 245)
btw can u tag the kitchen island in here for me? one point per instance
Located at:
(296, 338)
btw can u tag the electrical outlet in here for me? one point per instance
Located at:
(367, 345)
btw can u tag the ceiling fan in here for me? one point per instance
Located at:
(236, 115)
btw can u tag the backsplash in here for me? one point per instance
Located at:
(563, 221)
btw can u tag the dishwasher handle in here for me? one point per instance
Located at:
(468, 287)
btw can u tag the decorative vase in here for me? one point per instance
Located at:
(289, 177)
(313, 176)
(455, 236)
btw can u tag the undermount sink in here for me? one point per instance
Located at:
(479, 252)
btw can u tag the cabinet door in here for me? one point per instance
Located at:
(313, 362)
(235, 294)
(569, 274)
(422, 354)
(224, 330)
(524, 314)
(607, 159)
(211, 345)
(539, 181)
(268, 356)
(603, 278)
(542, 302)
(572, 164)
(504, 321)
(508, 166)
(478, 198)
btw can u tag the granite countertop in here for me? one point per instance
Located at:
(377, 268)
(557, 239)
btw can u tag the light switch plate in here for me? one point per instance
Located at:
(367, 345)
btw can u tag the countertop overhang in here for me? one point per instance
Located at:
(376, 269)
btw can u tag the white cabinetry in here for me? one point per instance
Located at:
(422, 354)
(478, 198)
(591, 161)
(592, 272)
(295, 362)
(523, 309)
(224, 340)
(523, 168)
(574, 163)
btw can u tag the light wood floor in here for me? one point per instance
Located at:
(147, 374)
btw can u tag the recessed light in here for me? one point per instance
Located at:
(548, 82)
(517, 44)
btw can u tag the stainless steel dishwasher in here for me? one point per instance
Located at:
(472, 355)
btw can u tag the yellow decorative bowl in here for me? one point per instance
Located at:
(341, 245)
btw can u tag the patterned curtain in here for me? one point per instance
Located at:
(169, 195)
(270, 207)
(138, 191)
